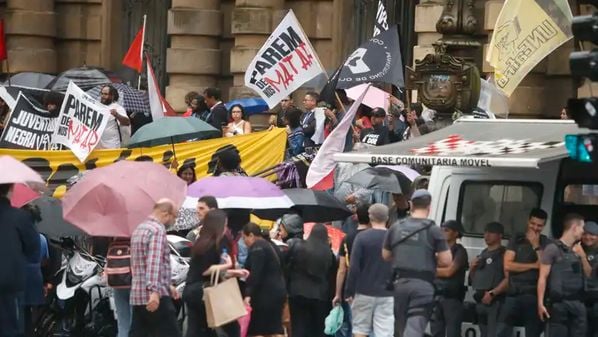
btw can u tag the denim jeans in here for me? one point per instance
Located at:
(123, 311)
(345, 330)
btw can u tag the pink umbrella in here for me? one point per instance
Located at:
(22, 195)
(14, 171)
(113, 200)
(374, 98)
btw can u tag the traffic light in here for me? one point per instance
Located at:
(584, 64)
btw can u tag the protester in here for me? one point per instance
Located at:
(399, 209)
(414, 121)
(310, 267)
(488, 280)
(151, 291)
(589, 242)
(204, 205)
(238, 126)
(199, 108)
(286, 104)
(372, 304)
(522, 261)
(218, 115)
(561, 282)
(291, 229)
(416, 248)
(565, 114)
(450, 286)
(296, 136)
(188, 98)
(308, 118)
(265, 288)
(378, 133)
(53, 102)
(117, 131)
(19, 243)
(209, 255)
(333, 117)
(187, 173)
(226, 161)
(4, 113)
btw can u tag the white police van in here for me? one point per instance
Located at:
(497, 170)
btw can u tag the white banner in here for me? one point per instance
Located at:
(284, 63)
(82, 121)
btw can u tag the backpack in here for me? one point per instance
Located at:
(118, 264)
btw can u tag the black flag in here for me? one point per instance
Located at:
(328, 93)
(377, 60)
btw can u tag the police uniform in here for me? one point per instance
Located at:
(591, 285)
(448, 309)
(521, 302)
(489, 273)
(414, 264)
(564, 292)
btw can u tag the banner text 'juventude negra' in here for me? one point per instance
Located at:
(81, 122)
(28, 127)
(284, 63)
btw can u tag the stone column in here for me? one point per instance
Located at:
(193, 61)
(30, 31)
(79, 33)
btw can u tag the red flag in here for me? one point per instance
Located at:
(3, 55)
(133, 58)
(158, 105)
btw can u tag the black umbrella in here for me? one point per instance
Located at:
(84, 77)
(313, 206)
(382, 179)
(52, 223)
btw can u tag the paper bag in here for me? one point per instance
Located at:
(223, 302)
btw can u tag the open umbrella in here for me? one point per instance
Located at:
(251, 105)
(30, 79)
(170, 130)
(313, 206)
(52, 223)
(335, 235)
(131, 99)
(84, 77)
(112, 200)
(22, 195)
(240, 192)
(382, 179)
(14, 172)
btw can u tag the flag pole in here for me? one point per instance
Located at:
(141, 52)
(8, 72)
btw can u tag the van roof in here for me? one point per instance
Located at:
(524, 143)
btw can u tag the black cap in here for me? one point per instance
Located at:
(591, 228)
(454, 225)
(379, 112)
(495, 227)
(420, 194)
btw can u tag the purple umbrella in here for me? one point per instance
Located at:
(240, 192)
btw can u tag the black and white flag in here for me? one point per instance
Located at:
(381, 23)
(377, 60)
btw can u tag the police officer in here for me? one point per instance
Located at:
(561, 279)
(521, 265)
(450, 286)
(488, 280)
(416, 247)
(589, 242)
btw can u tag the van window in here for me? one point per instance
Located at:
(581, 194)
(506, 202)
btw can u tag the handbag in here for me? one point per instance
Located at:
(223, 301)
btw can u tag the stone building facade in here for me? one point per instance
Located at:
(210, 42)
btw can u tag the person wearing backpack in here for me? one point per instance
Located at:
(118, 276)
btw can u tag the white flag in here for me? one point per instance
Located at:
(381, 23)
(284, 63)
(153, 91)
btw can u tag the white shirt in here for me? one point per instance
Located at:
(111, 138)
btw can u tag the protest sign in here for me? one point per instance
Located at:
(284, 63)
(81, 122)
(28, 127)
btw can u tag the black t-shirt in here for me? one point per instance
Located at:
(378, 135)
(200, 263)
(348, 243)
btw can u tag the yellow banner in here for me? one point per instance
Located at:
(258, 151)
(525, 33)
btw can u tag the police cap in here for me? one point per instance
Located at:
(591, 228)
(421, 193)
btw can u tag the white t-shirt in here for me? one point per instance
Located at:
(111, 138)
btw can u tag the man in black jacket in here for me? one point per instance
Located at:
(19, 242)
(308, 118)
(218, 115)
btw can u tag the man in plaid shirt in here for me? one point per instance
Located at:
(153, 310)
